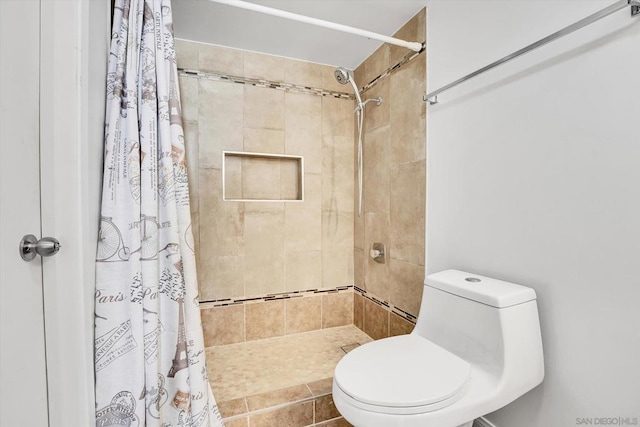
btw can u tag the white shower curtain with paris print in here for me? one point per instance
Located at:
(149, 353)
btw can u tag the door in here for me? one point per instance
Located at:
(23, 380)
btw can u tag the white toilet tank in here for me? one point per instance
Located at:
(490, 323)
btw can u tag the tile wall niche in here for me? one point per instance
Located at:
(266, 249)
(394, 188)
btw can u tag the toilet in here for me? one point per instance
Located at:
(475, 348)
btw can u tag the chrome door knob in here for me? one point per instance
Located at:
(30, 246)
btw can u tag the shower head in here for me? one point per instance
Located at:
(344, 76)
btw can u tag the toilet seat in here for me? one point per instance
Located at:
(402, 375)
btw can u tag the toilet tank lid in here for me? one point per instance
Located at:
(485, 290)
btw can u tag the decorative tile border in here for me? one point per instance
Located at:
(275, 296)
(386, 305)
(287, 87)
(310, 293)
(386, 73)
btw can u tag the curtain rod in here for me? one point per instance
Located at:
(432, 97)
(415, 46)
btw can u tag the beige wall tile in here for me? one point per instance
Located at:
(264, 252)
(281, 396)
(220, 59)
(337, 267)
(358, 310)
(257, 207)
(192, 154)
(338, 117)
(399, 326)
(223, 325)
(376, 320)
(220, 121)
(240, 422)
(376, 275)
(221, 277)
(264, 320)
(264, 140)
(337, 249)
(303, 111)
(321, 387)
(376, 183)
(264, 67)
(406, 284)
(414, 30)
(377, 63)
(303, 73)
(305, 143)
(261, 179)
(408, 112)
(291, 180)
(337, 309)
(233, 180)
(359, 76)
(189, 97)
(303, 221)
(233, 407)
(302, 314)
(338, 422)
(303, 270)
(407, 227)
(195, 232)
(220, 234)
(377, 115)
(186, 54)
(358, 268)
(337, 173)
(263, 108)
(358, 221)
(299, 415)
(325, 409)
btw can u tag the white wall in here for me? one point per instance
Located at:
(534, 177)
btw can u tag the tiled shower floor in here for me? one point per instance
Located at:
(250, 377)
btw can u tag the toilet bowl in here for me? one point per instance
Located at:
(475, 348)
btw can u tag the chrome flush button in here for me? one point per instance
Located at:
(472, 279)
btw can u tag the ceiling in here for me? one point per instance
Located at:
(208, 22)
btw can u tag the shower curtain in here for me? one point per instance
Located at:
(149, 352)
